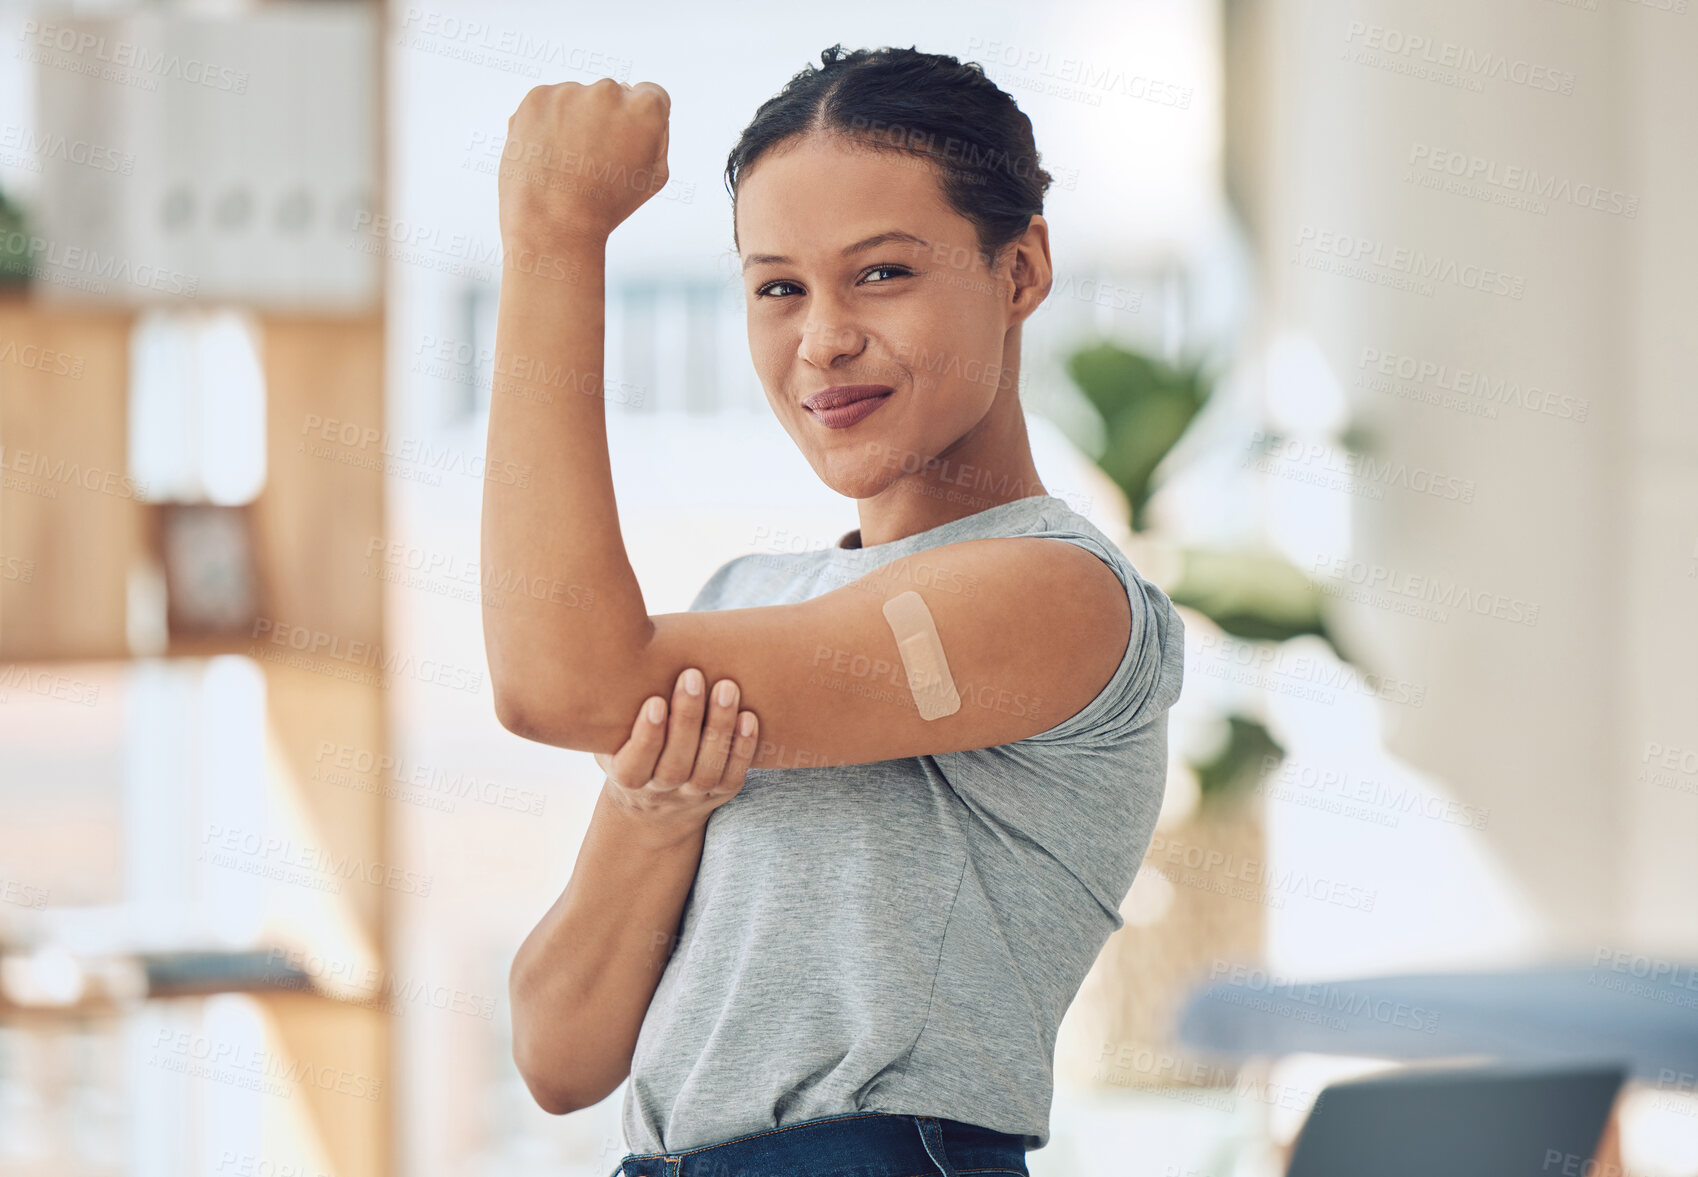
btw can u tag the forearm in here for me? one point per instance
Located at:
(583, 979)
(550, 519)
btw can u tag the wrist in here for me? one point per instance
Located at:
(556, 239)
(650, 830)
(554, 260)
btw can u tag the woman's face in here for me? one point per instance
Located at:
(831, 304)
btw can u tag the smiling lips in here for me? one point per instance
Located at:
(845, 404)
(844, 394)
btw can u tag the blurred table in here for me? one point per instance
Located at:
(1634, 1010)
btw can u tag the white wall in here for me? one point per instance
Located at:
(1593, 520)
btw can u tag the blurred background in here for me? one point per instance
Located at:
(1371, 343)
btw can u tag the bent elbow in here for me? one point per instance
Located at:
(534, 699)
(513, 711)
(547, 721)
(551, 1101)
(560, 725)
(559, 1077)
(545, 1089)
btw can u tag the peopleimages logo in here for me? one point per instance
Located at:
(68, 472)
(1416, 264)
(481, 43)
(1269, 448)
(47, 684)
(1464, 61)
(1376, 579)
(36, 146)
(41, 359)
(1381, 802)
(346, 765)
(1271, 668)
(313, 649)
(352, 443)
(127, 55)
(1466, 168)
(382, 989)
(1081, 72)
(239, 1064)
(1349, 1000)
(1450, 384)
(52, 260)
(283, 859)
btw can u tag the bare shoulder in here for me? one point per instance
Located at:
(1026, 616)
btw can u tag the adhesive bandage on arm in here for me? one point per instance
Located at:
(922, 655)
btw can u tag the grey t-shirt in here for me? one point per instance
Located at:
(904, 936)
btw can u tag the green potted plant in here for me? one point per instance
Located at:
(14, 244)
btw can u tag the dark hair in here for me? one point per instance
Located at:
(926, 105)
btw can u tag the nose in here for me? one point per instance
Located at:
(822, 342)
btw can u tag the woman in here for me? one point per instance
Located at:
(849, 940)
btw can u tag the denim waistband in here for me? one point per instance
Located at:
(867, 1144)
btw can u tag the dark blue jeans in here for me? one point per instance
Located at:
(864, 1144)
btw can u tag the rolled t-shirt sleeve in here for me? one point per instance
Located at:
(1147, 680)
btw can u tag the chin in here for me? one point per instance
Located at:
(855, 488)
(861, 481)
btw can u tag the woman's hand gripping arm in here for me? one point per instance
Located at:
(582, 981)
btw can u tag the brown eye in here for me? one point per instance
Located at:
(898, 270)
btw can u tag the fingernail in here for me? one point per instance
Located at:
(725, 693)
(693, 681)
(747, 727)
(656, 711)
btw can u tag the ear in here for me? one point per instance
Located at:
(1031, 269)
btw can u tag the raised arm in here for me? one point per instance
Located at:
(1031, 629)
(578, 160)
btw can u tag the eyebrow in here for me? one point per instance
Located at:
(873, 242)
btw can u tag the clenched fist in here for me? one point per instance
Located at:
(580, 159)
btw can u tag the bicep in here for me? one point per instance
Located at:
(1030, 630)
